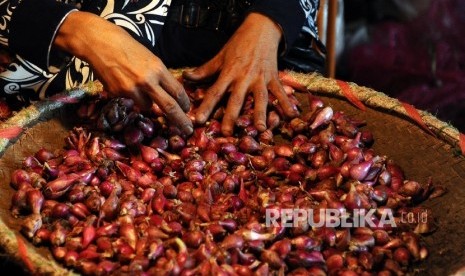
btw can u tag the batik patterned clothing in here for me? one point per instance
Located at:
(28, 27)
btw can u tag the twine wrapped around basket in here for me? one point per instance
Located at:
(420, 143)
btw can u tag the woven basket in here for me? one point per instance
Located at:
(419, 153)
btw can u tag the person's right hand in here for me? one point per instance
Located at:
(124, 66)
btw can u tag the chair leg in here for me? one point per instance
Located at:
(320, 23)
(331, 39)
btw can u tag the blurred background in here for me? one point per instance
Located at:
(412, 50)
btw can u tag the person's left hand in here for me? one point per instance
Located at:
(247, 63)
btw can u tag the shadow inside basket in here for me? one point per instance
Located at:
(48, 132)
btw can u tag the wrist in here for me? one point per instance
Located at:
(267, 26)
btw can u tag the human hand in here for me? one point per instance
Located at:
(124, 66)
(247, 63)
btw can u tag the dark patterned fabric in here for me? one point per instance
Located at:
(143, 19)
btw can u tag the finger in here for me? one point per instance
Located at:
(176, 90)
(233, 109)
(260, 94)
(212, 96)
(278, 91)
(143, 101)
(203, 72)
(171, 108)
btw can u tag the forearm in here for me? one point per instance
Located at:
(84, 34)
(289, 15)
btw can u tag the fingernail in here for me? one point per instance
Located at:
(186, 107)
(227, 131)
(200, 118)
(261, 126)
(189, 129)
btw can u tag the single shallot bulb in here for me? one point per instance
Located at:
(273, 120)
(314, 102)
(19, 176)
(148, 154)
(323, 117)
(248, 144)
(360, 171)
(133, 135)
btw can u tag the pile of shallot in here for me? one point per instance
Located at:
(130, 194)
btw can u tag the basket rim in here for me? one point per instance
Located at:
(380, 102)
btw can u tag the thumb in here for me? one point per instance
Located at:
(201, 73)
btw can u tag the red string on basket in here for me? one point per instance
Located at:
(22, 250)
(462, 143)
(415, 115)
(63, 98)
(11, 132)
(288, 80)
(349, 94)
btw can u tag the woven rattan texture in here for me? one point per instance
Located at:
(419, 154)
(48, 133)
